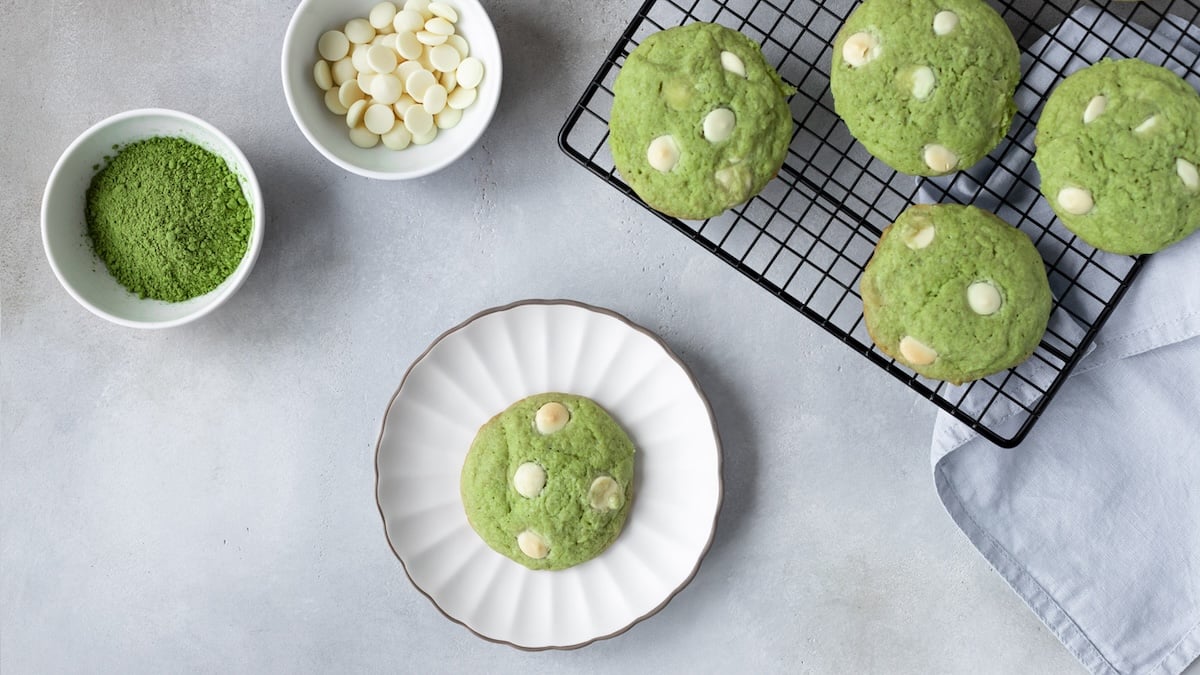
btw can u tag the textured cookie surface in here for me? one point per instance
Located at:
(925, 85)
(1118, 146)
(955, 293)
(548, 482)
(700, 120)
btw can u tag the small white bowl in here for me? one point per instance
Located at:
(64, 224)
(327, 132)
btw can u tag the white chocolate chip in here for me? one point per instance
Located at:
(1188, 174)
(342, 71)
(939, 158)
(443, 10)
(418, 83)
(419, 122)
(386, 89)
(663, 153)
(860, 49)
(1075, 201)
(398, 138)
(983, 298)
(460, 44)
(719, 124)
(382, 58)
(469, 72)
(401, 107)
(921, 237)
(408, 46)
(382, 15)
(551, 417)
(923, 81)
(460, 98)
(439, 26)
(333, 45)
(333, 103)
(605, 494)
(427, 137)
(322, 75)
(944, 22)
(532, 545)
(1147, 125)
(448, 118)
(432, 39)
(435, 99)
(379, 118)
(358, 56)
(350, 92)
(363, 138)
(529, 479)
(359, 31)
(733, 63)
(445, 58)
(916, 352)
(354, 114)
(1095, 108)
(408, 21)
(366, 81)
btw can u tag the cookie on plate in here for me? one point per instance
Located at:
(925, 85)
(955, 293)
(548, 482)
(1118, 146)
(700, 121)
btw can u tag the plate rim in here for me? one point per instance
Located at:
(670, 354)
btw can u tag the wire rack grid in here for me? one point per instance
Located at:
(807, 236)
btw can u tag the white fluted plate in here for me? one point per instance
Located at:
(478, 369)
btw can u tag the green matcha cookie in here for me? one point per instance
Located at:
(1118, 144)
(548, 481)
(700, 121)
(925, 85)
(955, 293)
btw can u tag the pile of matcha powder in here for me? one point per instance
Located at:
(168, 218)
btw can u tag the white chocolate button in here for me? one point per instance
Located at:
(532, 545)
(354, 114)
(343, 71)
(382, 15)
(470, 72)
(719, 124)
(406, 69)
(363, 138)
(551, 417)
(420, 7)
(408, 21)
(448, 118)
(333, 103)
(322, 75)
(359, 31)
(449, 81)
(735, 179)
(444, 58)
(1188, 174)
(860, 49)
(425, 138)
(663, 153)
(460, 44)
(418, 83)
(432, 39)
(923, 82)
(1095, 108)
(358, 56)
(435, 99)
(983, 298)
(916, 352)
(444, 11)
(439, 26)
(401, 107)
(944, 22)
(529, 479)
(1147, 125)
(386, 89)
(398, 138)
(365, 81)
(1076, 201)
(333, 45)
(409, 46)
(461, 98)
(379, 118)
(940, 158)
(733, 63)
(350, 92)
(605, 494)
(418, 120)
(382, 59)
(921, 237)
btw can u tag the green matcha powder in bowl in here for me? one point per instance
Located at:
(152, 218)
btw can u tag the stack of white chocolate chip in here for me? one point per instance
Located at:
(398, 75)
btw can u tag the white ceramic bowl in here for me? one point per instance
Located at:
(64, 225)
(328, 133)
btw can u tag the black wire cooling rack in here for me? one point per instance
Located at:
(808, 235)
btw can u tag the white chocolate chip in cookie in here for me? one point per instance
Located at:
(736, 180)
(605, 494)
(1095, 108)
(983, 298)
(733, 63)
(860, 49)
(920, 237)
(551, 417)
(529, 479)
(1147, 125)
(532, 545)
(944, 22)
(1188, 174)
(663, 153)
(922, 82)
(1075, 201)
(719, 124)
(916, 352)
(940, 158)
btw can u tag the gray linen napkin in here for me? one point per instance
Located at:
(1095, 519)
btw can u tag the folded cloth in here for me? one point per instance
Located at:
(1094, 520)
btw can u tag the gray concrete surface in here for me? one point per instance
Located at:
(201, 498)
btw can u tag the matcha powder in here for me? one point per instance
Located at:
(168, 218)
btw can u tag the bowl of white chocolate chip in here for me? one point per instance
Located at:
(391, 90)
